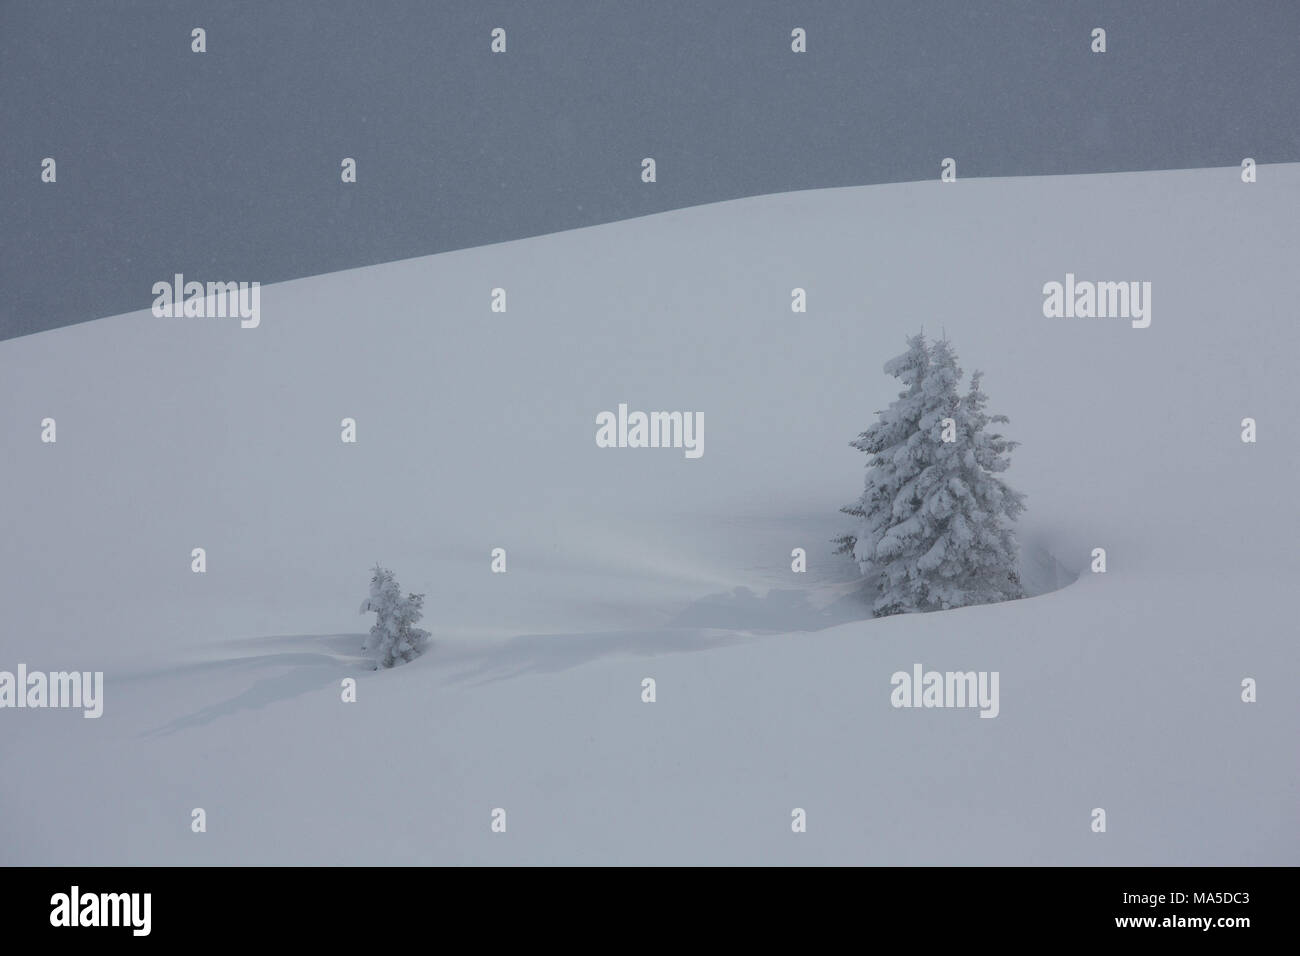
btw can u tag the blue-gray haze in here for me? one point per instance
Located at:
(225, 165)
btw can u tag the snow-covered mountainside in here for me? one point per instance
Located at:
(476, 430)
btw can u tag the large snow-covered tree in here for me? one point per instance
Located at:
(897, 450)
(935, 523)
(394, 636)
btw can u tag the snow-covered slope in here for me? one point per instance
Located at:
(476, 431)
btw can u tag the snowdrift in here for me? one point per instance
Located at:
(476, 431)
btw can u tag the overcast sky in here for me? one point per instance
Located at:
(225, 165)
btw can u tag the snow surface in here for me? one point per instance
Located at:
(476, 430)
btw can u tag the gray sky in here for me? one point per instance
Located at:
(225, 165)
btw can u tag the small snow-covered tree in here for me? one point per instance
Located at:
(394, 636)
(935, 522)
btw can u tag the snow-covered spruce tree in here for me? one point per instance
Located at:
(394, 637)
(934, 520)
(995, 554)
(897, 452)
